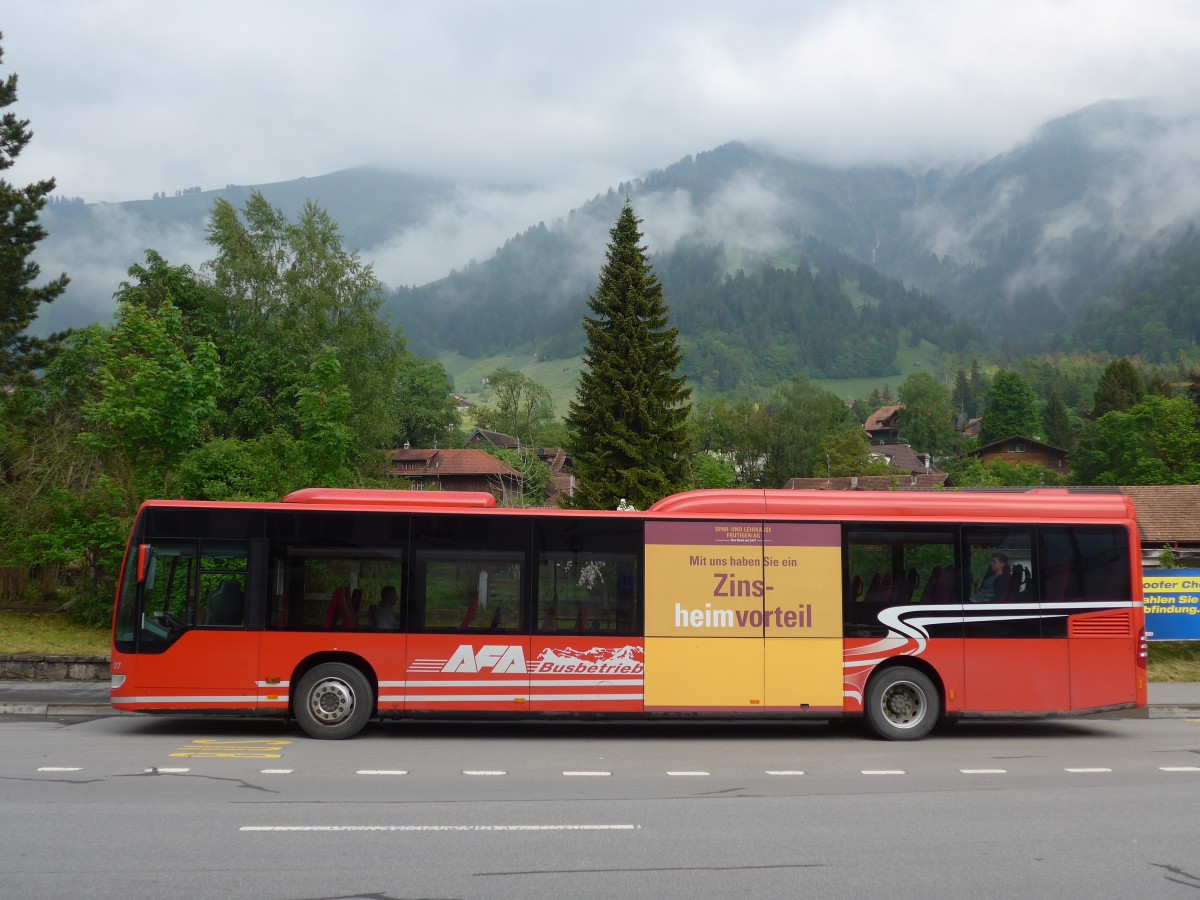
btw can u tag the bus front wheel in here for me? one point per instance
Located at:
(902, 704)
(333, 701)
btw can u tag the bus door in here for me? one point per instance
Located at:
(468, 637)
(1016, 659)
(802, 616)
(705, 647)
(1088, 604)
(194, 649)
(587, 648)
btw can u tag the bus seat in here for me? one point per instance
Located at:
(472, 608)
(929, 595)
(1015, 582)
(906, 587)
(856, 586)
(340, 608)
(497, 616)
(1056, 584)
(873, 590)
(226, 605)
(581, 620)
(885, 588)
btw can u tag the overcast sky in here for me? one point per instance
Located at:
(129, 98)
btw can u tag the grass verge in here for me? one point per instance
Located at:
(46, 633)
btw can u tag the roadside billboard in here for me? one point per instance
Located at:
(1172, 604)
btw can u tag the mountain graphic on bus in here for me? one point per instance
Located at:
(627, 659)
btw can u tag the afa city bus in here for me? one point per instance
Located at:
(903, 608)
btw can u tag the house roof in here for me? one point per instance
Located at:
(996, 445)
(902, 457)
(499, 438)
(1167, 513)
(450, 462)
(884, 418)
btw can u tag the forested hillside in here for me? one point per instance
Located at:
(1018, 247)
(1154, 310)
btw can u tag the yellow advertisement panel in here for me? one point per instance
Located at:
(722, 592)
(695, 675)
(804, 674)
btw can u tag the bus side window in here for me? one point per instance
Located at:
(588, 579)
(895, 566)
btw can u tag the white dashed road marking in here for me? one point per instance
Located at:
(688, 774)
(1179, 768)
(884, 772)
(482, 772)
(784, 772)
(1087, 771)
(439, 828)
(276, 771)
(382, 772)
(587, 774)
(61, 769)
(984, 771)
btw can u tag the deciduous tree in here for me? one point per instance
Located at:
(927, 420)
(1011, 409)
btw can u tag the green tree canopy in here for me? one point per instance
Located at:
(927, 419)
(1057, 424)
(523, 408)
(800, 416)
(1011, 409)
(1155, 442)
(736, 429)
(292, 289)
(1120, 388)
(848, 452)
(628, 421)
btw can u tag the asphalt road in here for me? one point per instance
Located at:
(134, 807)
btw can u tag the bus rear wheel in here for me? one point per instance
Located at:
(333, 701)
(902, 704)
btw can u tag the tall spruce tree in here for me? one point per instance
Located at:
(1119, 389)
(19, 234)
(628, 422)
(1056, 422)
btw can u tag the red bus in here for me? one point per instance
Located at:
(335, 607)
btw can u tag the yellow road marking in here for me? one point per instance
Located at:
(208, 748)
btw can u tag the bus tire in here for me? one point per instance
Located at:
(902, 704)
(333, 701)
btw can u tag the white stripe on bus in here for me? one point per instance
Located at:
(512, 682)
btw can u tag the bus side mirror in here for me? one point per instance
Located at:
(144, 552)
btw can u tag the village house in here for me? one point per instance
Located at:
(1021, 449)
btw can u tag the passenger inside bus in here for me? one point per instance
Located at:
(994, 584)
(384, 614)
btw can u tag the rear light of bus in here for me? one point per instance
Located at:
(115, 682)
(1143, 650)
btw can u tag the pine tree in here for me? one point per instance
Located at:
(628, 422)
(1119, 389)
(1056, 422)
(19, 234)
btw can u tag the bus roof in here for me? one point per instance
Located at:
(1036, 505)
